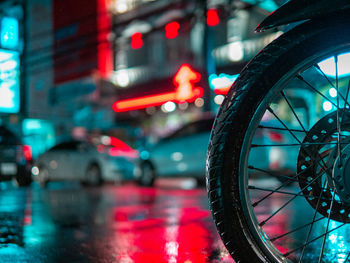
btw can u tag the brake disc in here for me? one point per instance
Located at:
(319, 164)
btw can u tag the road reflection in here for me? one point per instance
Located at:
(127, 223)
(68, 223)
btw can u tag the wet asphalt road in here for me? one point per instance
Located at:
(70, 223)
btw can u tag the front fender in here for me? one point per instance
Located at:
(299, 10)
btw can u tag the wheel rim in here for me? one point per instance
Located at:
(93, 175)
(147, 174)
(280, 131)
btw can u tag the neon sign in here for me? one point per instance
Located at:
(212, 17)
(9, 85)
(9, 36)
(222, 83)
(136, 41)
(172, 30)
(185, 91)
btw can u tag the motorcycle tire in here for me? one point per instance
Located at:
(278, 65)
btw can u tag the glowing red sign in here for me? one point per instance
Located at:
(172, 30)
(212, 17)
(136, 40)
(185, 90)
(184, 81)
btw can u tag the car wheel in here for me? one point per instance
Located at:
(22, 179)
(93, 175)
(200, 182)
(148, 174)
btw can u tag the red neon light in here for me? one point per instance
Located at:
(172, 30)
(212, 17)
(222, 91)
(104, 48)
(136, 40)
(183, 81)
(143, 102)
(27, 150)
(185, 90)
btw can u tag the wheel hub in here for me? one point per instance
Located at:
(321, 174)
(341, 175)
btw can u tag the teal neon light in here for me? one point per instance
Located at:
(9, 82)
(222, 80)
(9, 33)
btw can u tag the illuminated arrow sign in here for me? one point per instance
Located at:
(185, 91)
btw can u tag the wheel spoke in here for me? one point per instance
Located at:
(338, 123)
(297, 229)
(324, 75)
(294, 113)
(313, 240)
(273, 174)
(251, 187)
(290, 200)
(297, 144)
(346, 99)
(286, 183)
(302, 145)
(347, 258)
(313, 221)
(284, 125)
(314, 89)
(278, 128)
(326, 231)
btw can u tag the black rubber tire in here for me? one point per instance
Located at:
(200, 182)
(234, 117)
(23, 180)
(23, 177)
(96, 179)
(148, 174)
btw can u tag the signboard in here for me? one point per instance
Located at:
(9, 85)
(9, 33)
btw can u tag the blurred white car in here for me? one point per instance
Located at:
(107, 159)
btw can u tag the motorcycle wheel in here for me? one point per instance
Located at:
(304, 217)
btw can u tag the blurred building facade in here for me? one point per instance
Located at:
(138, 67)
(68, 55)
(154, 39)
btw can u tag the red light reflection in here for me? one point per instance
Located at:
(166, 226)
